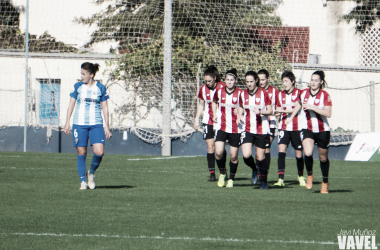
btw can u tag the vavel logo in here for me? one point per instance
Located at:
(357, 239)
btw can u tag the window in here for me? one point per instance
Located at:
(50, 91)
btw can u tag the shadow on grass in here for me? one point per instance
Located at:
(335, 191)
(114, 187)
(292, 183)
(241, 179)
(277, 187)
(243, 185)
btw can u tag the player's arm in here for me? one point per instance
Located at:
(327, 111)
(106, 125)
(240, 115)
(70, 109)
(286, 111)
(296, 109)
(267, 111)
(277, 111)
(268, 107)
(214, 109)
(201, 107)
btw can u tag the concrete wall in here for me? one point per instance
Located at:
(12, 139)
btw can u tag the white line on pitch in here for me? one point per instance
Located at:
(135, 159)
(173, 238)
(162, 158)
(102, 170)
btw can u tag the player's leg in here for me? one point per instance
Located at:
(234, 151)
(234, 141)
(219, 149)
(211, 158)
(262, 165)
(297, 145)
(97, 139)
(267, 149)
(283, 142)
(208, 136)
(325, 166)
(220, 140)
(246, 141)
(323, 142)
(300, 167)
(80, 141)
(308, 148)
(281, 164)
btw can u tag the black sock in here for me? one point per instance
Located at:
(267, 159)
(233, 169)
(211, 163)
(325, 166)
(300, 166)
(262, 165)
(250, 162)
(221, 165)
(281, 165)
(225, 157)
(309, 164)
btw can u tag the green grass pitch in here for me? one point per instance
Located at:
(168, 204)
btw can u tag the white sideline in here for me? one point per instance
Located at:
(163, 158)
(136, 159)
(173, 238)
(103, 170)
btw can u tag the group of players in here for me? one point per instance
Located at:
(242, 117)
(248, 117)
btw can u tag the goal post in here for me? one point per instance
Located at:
(167, 88)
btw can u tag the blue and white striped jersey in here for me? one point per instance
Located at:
(88, 110)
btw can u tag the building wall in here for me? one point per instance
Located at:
(335, 42)
(12, 85)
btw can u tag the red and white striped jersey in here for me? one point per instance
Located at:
(272, 93)
(313, 121)
(206, 94)
(227, 104)
(255, 123)
(288, 101)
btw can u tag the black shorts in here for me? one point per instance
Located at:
(260, 141)
(272, 132)
(208, 132)
(232, 138)
(284, 137)
(322, 139)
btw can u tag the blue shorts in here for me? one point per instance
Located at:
(81, 133)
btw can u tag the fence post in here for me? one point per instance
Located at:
(372, 104)
(26, 73)
(198, 82)
(166, 90)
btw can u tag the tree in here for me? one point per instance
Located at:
(11, 37)
(365, 14)
(205, 32)
(200, 30)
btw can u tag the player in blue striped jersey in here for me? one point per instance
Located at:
(91, 99)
